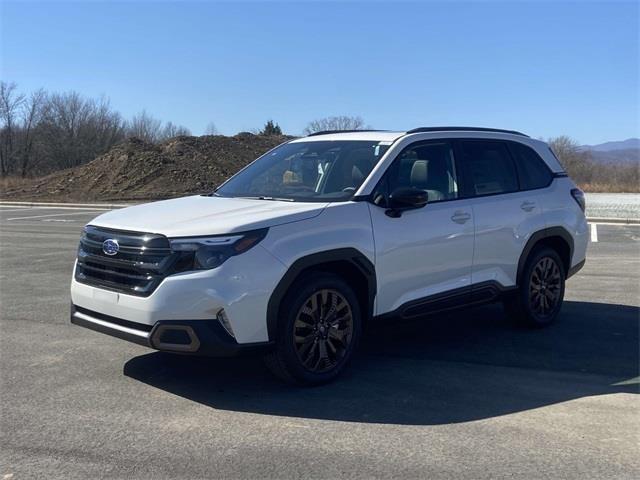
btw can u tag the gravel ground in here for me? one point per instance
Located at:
(613, 205)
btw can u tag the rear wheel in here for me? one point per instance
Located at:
(541, 292)
(318, 332)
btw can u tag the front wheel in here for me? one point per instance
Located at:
(318, 331)
(540, 295)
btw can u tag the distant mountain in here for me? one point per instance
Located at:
(630, 143)
(620, 152)
(630, 155)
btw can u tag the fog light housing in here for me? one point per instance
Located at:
(224, 321)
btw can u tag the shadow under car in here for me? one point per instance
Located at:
(464, 366)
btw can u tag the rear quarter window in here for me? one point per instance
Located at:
(532, 171)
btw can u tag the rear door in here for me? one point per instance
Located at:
(505, 215)
(427, 251)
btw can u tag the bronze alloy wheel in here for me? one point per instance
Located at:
(545, 287)
(323, 330)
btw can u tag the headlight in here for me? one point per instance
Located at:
(204, 253)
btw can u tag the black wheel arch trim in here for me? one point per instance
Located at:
(576, 268)
(537, 237)
(351, 255)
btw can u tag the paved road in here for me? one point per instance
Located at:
(459, 396)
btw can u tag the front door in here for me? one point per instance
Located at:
(424, 255)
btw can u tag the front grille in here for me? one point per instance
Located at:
(143, 260)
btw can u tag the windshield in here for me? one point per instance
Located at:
(325, 171)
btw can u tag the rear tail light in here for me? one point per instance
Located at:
(578, 196)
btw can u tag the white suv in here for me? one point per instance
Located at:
(296, 252)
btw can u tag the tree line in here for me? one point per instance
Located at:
(591, 175)
(42, 132)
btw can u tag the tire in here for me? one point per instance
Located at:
(318, 331)
(541, 291)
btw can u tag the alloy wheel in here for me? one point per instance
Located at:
(323, 330)
(545, 287)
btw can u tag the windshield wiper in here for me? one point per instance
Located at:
(275, 199)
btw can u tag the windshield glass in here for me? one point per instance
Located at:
(326, 171)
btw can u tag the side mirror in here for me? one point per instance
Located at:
(406, 198)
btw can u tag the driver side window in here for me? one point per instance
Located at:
(426, 166)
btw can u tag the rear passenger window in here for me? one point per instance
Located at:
(489, 167)
(532, 171)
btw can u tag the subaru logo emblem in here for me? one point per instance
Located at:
(110, 246)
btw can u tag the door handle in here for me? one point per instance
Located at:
(528, 206)
(460, 217)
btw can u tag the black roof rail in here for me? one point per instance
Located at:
(329, 132)
(464, 129)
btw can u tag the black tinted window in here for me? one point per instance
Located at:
(427, 166)
(489, 168)
(532, 171)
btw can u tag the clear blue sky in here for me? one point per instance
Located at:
(541, 67)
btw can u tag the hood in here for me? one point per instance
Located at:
(201, 215)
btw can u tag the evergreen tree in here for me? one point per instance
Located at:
(271, 129)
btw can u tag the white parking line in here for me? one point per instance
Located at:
(617, 224)
(52, 207)
(594, 232)
(53, 215)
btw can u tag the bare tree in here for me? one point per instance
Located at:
(145, 127)
(170, 131)
(31, 117)
(574, 159)
(10, 103)
(109, 124)
(211, 129)
(76, 130)
(42, 132)
(341, 122)
(150, 129)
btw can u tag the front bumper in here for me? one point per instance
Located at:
(194, 337)
(241, 287)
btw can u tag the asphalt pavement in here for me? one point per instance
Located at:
(465, 395)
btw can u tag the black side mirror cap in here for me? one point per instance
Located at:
(406, 198)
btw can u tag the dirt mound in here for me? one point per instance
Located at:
(135, 170)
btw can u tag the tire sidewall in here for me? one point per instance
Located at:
(299, 292)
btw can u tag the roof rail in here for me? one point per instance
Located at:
(463, 129)
(329, 132)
